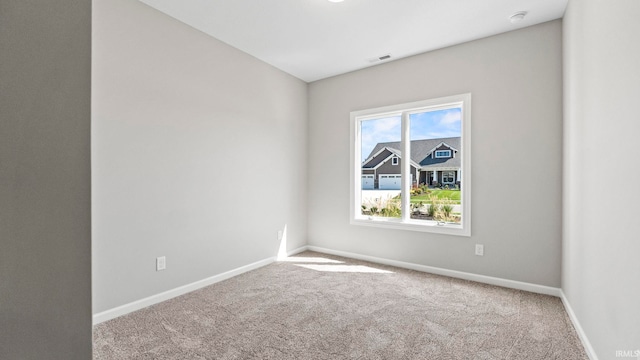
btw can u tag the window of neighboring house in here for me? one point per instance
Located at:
(443, 153)
(413, 199)
(448, 177)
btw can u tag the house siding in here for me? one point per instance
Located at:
(423, 178)
(387, 168)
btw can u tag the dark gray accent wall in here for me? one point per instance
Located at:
(45, 197)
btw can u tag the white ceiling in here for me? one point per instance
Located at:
(315, 39)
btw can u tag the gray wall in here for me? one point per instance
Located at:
(516, 84)
(198, 155)
(601, 266)
(45, 196)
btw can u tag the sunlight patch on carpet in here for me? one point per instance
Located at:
(301, 259)
(344, 268)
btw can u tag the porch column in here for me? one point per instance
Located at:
(458, 175)
(434, 176)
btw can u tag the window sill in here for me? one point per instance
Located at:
(412, 225)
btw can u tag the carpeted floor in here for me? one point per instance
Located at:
(317, 306)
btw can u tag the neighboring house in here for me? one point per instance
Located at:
(433, 161)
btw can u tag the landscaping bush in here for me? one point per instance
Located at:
(389, 207)
(433, 209)
(446, 210)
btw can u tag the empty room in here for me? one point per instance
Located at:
(319, 179)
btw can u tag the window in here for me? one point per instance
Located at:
(443, 153)
(448, 177)
(424, 193)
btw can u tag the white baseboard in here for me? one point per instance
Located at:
(154, 299)
(298, 250)
(576, 324)
(540, 289)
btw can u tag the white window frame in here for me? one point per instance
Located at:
(405, 110)
(394, 160)
(443, 151)
(452, 176)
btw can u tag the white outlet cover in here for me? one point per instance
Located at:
(161, 263)
(479, 249)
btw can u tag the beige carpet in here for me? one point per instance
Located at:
(316, 306)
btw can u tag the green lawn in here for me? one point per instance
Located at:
(453, 195)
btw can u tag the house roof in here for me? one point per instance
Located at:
(421, 149)
(374, 160)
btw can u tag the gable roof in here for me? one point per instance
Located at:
(420, 149)
(374, 160)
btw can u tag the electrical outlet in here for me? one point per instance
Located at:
(161, 263)
(279, 234)
(479, 249)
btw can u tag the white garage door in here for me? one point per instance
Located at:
(367, 182)
(390, 182)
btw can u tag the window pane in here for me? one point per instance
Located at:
(381, 180)
(436, 148)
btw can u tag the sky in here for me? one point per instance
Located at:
(426, 125)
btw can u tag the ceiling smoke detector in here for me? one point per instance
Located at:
(517, 17)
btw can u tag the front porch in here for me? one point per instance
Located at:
(440, 177)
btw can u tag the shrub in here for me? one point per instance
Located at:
(389, 207)
(431, 211)
(447, 209)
